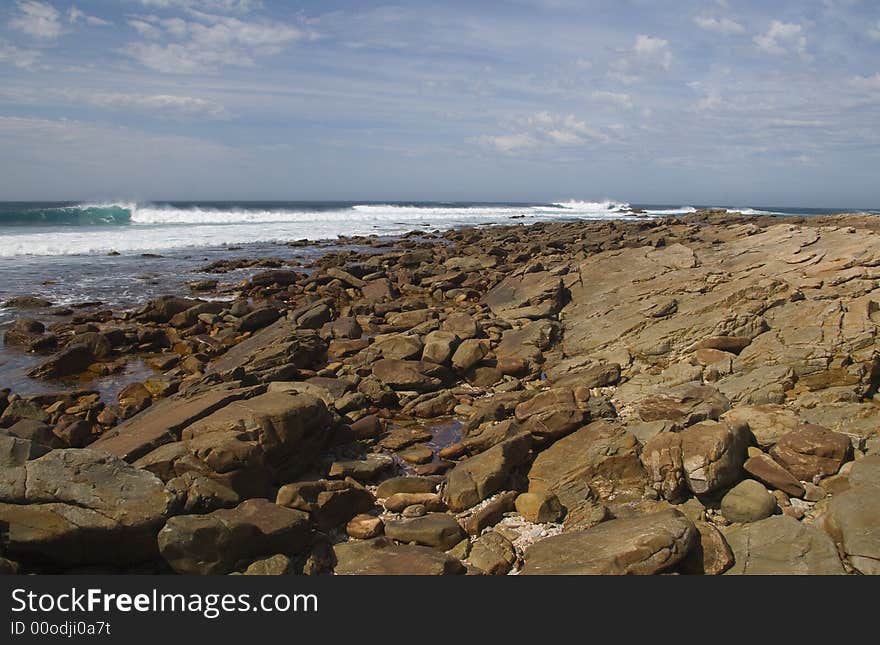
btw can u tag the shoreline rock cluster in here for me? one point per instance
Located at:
(688, 395)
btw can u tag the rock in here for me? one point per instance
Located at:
(98, 344)
(73, 432)
(275, 352)
(468, 354)
(315, 317)
(642, 545)
(163, 422)
(767, 422)
(433, 406)
(732, 344)
(227, 539)
(276, 565)
(763, 468)
(663, 462)
(684, 405)
(399, 347)
(381, 556)
(418, 454)
(812, 450)
(364, 527)
(711, 556)
(395, 485)
(533, 295)
(291, 431)
(398, 501)
(439, 347)
(491, 513)
(79, 506)
(599, 459)
(482, 475)
(367, 427)
(15, 452)
(29, 414)
(258, 319)
(492, 553)
(345, 327)
(27, 302)
(461, 324)
(362, 470)
(133, 398)
(852, 518)
(781, 545)
(35, 431)
(379, 290)
(415, 510)
(437, 530)
(163, 309)
(202, 494)
(713, 455)
(748, 501)
(329, 503)
(539, 508)
(69, 361)
(419, 376)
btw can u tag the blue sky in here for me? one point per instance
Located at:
(720, 102)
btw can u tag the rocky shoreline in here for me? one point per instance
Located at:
(687, 395)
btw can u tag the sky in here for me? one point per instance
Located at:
(716, 102)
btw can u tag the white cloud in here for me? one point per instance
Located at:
(653, 49)
(208, 41)
(74, 16)
(617, 98)
(37, 19)
(874, 32)
(161, 105)
(720, 25)
(543, 130)
(647, 54)
(241, 6)
(871, 83)
(782, 38)
(17, 57)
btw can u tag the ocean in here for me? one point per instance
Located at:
(122, 254)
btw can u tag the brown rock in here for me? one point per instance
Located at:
(763, 468)
(812, 450)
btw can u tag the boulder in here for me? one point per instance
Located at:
(812, 450)
(482, 475)
(329, 503)
(748, 501)
(469, 353)
(780, 545)
(763, 468)
(852, 517)
(600, 459)
(74, 359)
(492, 553)
(79, 506)
(539, 508)
(684, 405)
(711, 556)
(532, 295)
(766, 422)
(419, 376)
(381, 556)
(257, 319)
(439, 347)
(461, 324)
(641, 545)
(713, 454)
(437, 530)
(229, 539)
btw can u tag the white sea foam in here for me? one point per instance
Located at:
(163, 227)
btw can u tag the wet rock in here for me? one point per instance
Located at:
(98, 344)
(27, 302)
(381, 556)
(419, 454)
(437, 530)
(482, 475)
(69, 361)
(812, 450)
(748, 501)
(781, 545)
(221, 541)
(642, 545)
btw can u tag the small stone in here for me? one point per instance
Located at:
(812, 493)
(437, 530)
(420, 454)
(492, 553)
